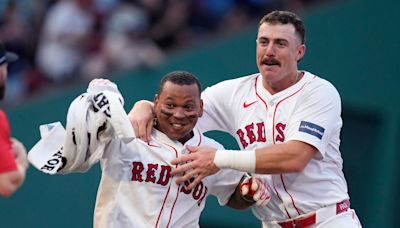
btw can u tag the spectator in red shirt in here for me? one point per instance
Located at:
(13, 160)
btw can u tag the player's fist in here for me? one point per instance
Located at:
(256, 190)
(100, 85)
(100, 82)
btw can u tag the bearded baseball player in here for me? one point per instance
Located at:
(287, 123)
(13, 161)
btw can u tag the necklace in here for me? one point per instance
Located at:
(297, 77)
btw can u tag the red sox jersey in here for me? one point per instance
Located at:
(7, 158)
(308, 111)
(137, 190)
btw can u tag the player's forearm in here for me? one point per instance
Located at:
(279, 158)
(22, 172)
(141, 117)
(22, 163)
(288, 157)
(142, 105)
(291, 156)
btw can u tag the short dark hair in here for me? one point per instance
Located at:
(180, 78)
(285, 17)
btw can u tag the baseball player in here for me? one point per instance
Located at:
(13, 161)
(137, 188)
(287, 123)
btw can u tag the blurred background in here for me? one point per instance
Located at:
(63, 44)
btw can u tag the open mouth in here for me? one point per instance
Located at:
(178, 126)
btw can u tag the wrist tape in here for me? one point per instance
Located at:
(243, 160)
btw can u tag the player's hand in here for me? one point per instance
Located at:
(197, 165)
(255, 190)
(100, 82)
(141, 117)
(19, 153)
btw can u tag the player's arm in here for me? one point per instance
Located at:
(291, 156)
(141, 117)
(20, 155)
(12, 180)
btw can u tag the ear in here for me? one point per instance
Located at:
(201, 108)
(301, 51)
(155, 99)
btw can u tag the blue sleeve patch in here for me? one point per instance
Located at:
(311, 129)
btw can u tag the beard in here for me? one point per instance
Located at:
(2, 91)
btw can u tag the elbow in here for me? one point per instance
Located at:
(300, 162)
(298, 167)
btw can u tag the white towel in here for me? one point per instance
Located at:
(93, 119)
(46, 155)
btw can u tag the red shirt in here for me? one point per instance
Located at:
(7, 158)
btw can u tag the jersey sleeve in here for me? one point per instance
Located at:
(7, 159)
(317, 118)
(223, 183)
(216, 110)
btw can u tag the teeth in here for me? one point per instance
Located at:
(177, 125)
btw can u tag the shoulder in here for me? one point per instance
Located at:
(3, 119)
(235, 83)
(227, 91)
(320, 87)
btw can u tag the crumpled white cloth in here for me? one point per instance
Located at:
(93, 119)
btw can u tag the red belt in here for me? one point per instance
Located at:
(312, 218)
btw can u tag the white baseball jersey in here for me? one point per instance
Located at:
(308, 111)
(137, 190)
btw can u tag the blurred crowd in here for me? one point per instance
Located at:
(62, 41)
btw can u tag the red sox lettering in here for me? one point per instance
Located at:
(199, 192)
(256, 133)
(149, 173)
(163, 178)
(280, 137)
(251, 134)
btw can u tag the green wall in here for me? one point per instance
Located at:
(353, 44)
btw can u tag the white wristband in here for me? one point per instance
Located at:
(243, 160)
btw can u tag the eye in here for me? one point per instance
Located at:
(169, 105)
(262, 42)
(189, 108)
(281, 43)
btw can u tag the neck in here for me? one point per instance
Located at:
(286, 82)
(184, 139)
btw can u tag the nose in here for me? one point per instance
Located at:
(270, 50)
(179, 113)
